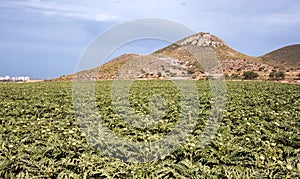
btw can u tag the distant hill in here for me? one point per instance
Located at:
(288, 56)
(181, 60)
(231, 61)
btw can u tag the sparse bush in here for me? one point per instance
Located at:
(276, 75)
(159, 74)
(235, 76)
(250, 75)
(190, 72)
(173, 74)
(226, 75)
(272, 75)
(261, 69)
(280, 75)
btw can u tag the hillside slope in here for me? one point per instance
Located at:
(231, 61)
(193, 57)
(288, 56)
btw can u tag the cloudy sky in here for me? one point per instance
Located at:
(44, 39)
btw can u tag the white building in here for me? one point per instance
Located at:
(15, 79)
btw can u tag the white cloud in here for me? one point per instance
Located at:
(62, 10)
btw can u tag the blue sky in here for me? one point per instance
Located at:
(44, 39)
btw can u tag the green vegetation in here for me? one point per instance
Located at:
(276, 75)
(259, 136)
(234, 76)
(226, 75)
(250, 75)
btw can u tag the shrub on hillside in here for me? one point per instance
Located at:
(272, 75)
(250, 75)
(235, 76)
(298, 76)
(159, 74)
(280, 75)
(226, 76)
(276, 75)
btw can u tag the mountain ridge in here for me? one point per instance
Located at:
(176, 61)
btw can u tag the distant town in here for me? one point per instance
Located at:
(14, 79)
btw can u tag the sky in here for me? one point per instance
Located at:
(44, 39)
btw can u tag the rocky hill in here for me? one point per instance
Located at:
(194, 57)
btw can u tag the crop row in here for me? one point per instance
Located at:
(41, 134)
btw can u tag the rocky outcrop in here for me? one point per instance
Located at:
(202, 40)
